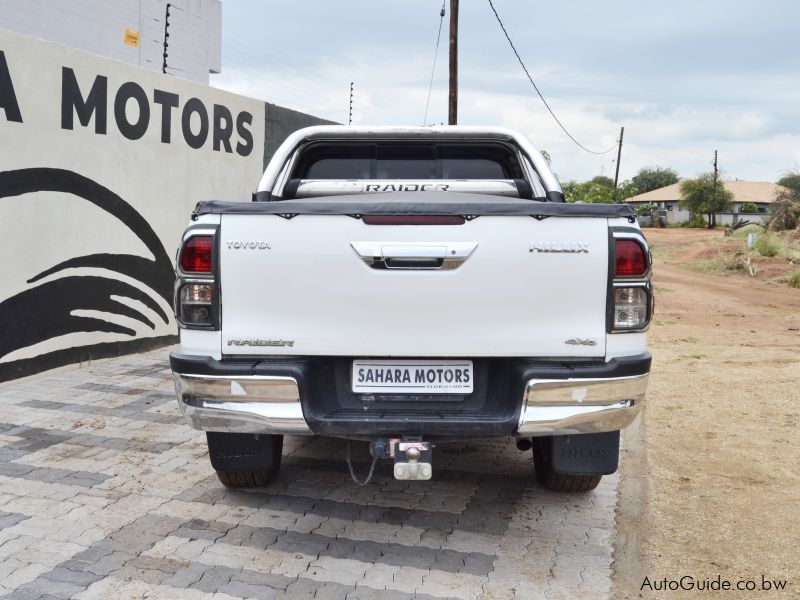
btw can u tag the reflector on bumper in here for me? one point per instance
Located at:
(238, 389)
(241, 404)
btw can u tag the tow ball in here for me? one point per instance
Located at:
(412, 457)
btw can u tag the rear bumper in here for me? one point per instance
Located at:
(581, 405)
(300, 397)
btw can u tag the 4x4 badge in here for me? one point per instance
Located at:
(581, 342)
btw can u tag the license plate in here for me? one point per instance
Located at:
(412, 376)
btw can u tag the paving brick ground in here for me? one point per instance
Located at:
(106, 493)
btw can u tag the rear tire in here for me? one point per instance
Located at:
(245, 460)
(244, 479)
(558, 482)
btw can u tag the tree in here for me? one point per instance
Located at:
(705, 195)
(785, 211)
(588, 192)
(602, 180)
(652, 178)
(598, 190)
(626, 189)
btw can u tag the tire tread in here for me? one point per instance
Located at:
(244, 479)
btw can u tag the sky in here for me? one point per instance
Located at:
(685, 78)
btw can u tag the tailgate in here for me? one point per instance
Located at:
(308, 286)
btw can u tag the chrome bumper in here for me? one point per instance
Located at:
(571, 406)
(271, 404)
(241, 404)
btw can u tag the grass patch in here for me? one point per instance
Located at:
(658, 252)
(745, 231)
(768, 245)
(794, 279)
(732, 254)
(705, 266)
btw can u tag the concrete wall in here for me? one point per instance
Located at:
(672, 217)
(101, 164)
(279, 122)
(731, 218)
(100, 27)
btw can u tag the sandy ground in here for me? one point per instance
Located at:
(711, 475)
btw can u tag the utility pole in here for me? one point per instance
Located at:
(713, 217)
(619, 155)
(350, 118)
(166, 39)
(715, 171)
(452, 112)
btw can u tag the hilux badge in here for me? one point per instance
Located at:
(574, 247)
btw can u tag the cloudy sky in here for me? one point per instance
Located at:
(684, 77)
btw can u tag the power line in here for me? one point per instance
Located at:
(435, 55)
(665, 149)
(670, 155)
(550, 110)
(313, 83)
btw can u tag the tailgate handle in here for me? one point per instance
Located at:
(414, 256)
(396, 262)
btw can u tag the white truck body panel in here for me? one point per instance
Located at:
(507, 299)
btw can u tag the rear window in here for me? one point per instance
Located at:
(408, 161)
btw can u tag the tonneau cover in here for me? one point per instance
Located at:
(416, 203)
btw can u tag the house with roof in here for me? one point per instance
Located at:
(759, 193)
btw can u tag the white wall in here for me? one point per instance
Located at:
(89, 195)
(99, 27)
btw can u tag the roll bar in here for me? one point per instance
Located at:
(444, 133)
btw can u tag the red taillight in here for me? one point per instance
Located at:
(413, 219)
(631, 258)
(197, 254)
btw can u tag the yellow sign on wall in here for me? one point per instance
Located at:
(131, 38)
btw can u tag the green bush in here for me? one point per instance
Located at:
(646, 209)
(794, 279)
(768, 245)
(697, 220)
(748, 208)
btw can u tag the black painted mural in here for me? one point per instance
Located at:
(45, 311)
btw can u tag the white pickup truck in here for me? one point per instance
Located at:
(409, 287)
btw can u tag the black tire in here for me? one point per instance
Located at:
(244, 460)
(558, 482)
(244, 479)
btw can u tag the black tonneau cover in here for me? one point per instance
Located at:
(416, 203)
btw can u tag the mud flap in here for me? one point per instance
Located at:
(243, 451)
(585, 454)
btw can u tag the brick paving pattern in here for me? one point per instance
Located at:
(106, 493)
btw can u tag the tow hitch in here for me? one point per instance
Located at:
(412, 458)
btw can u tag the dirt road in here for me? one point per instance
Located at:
(713, 471)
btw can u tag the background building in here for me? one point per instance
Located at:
(751, 201)
(131, 31)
